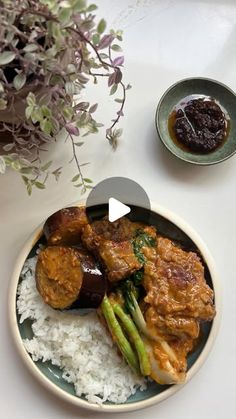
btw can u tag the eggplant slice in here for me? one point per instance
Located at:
(68, 277)
(65, 226)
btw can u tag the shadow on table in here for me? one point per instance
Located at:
(187, 172)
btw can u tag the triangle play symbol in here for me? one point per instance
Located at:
(117, 210)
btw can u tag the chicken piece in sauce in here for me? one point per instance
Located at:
(177, 300)
(112, 244)
(176, 285)
(120, 230)
(119, 259)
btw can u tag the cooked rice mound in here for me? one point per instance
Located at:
(79, 345)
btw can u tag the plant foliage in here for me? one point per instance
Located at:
(49, 50)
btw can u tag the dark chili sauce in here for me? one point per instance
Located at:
(198, 124)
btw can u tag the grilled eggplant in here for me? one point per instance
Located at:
(64, 227)
(69, 277)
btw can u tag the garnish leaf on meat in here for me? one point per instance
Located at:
(142, 239)
(118, 335)
(137, 277)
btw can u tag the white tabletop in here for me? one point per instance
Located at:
(165, 40)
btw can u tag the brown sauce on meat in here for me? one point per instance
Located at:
(198, 124)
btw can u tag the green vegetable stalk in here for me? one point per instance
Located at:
(132, 306)
(119, 336)
(131, 303)
(135, 338)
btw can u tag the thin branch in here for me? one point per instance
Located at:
(84, 38)
(16, 30)
(122, 106)
(77, 163)
(81, 59)
(99, 74)
(109, 53)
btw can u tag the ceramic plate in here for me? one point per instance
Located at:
(197, 86)
(50, 376)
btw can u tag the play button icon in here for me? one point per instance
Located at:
(116, 209)
(116, 197)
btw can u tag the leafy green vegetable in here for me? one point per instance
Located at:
(137, 277)
(141, 240)
(129, 292)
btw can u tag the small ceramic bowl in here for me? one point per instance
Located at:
(50, 375)
(197, 86)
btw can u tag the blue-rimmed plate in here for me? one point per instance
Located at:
(50, 376)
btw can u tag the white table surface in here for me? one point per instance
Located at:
(165, 40)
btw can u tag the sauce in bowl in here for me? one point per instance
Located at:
(198, 124)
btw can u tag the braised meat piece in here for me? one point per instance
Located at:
(112, 243)
(177, 300)
(179, 326)
(117, 257)
(120, 230)
(177, 294)
(91, 239)
(178, 286)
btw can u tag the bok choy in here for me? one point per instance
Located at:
(118, 335)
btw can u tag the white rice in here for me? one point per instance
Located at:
(79, 345)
